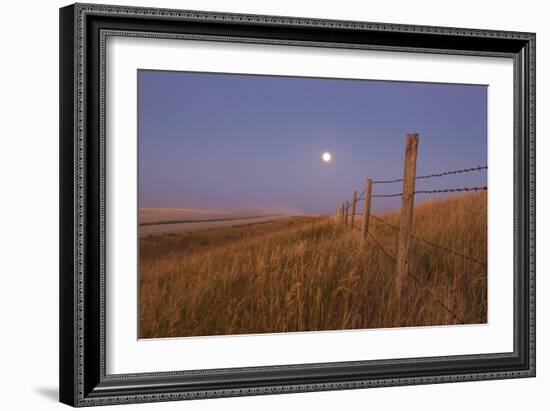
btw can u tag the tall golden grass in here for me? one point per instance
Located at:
(304, 274)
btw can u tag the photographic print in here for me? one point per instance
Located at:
(260, 205)
(272, 204)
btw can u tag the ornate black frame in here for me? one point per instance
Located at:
(83, 29)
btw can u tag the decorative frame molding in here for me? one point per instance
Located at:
(83, 32)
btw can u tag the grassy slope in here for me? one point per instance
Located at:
(302, 274)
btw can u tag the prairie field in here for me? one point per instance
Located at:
(159, 221)
(305, 273)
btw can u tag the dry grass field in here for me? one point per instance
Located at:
(305, 274)
(160, 221)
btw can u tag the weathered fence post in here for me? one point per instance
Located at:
(346, 211)
(353, 203)
(343, 215)
(366, 210)
(405, 221)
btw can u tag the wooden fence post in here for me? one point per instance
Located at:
(353, 203)
(405, 221)
(366, 211)
(346, 213)
(342, 215)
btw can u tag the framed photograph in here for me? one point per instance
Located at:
(261, 204)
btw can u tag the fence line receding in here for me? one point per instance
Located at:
(344, 219)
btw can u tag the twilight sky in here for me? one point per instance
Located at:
(225, 141)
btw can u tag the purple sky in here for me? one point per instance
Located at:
(240, 141)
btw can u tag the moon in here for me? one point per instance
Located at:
(326, 157)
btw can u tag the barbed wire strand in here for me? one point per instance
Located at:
(387, 195)
(381, 248)
(440, 174)
(435, 297)
(444, 190)
(446, 173)
(384, 222)
(450, 251)
(432, 243)
(451, 190)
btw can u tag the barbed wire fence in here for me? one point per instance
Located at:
(343, 219)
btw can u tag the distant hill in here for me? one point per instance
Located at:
(164, 215)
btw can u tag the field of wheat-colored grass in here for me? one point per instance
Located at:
(306, 274)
